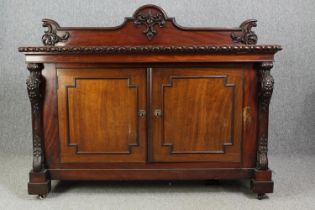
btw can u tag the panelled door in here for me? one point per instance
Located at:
(197, 114)
(101, 115)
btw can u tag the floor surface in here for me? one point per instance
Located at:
(294, 178)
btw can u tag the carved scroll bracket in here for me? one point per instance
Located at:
(150, 20)
(33, 86)
(34, 83)
(50, 38)
(266, 84)
(247, 36)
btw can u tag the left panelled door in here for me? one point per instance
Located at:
(102, 115)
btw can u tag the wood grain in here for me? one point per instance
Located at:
(201, 118)
(98, 115)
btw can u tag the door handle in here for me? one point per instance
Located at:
(157, 113)
(141, 113)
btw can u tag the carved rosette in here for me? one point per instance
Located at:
(50, 38)
(150, 20)
(266, 84)
(247, 36)
(34, 83)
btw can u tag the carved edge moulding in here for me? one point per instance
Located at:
(211, 49)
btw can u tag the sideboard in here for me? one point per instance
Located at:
(150, 100)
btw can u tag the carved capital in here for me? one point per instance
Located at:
(150, 20)
(266, 85)
(34, 82)
(246, 36)
(50, 36)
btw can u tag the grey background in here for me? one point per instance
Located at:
(290, 23)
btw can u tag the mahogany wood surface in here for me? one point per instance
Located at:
(98, 115)
(150, 100)
(151, 174)
(201, 114)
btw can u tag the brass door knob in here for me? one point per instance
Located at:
(157, 113)
(141, 113)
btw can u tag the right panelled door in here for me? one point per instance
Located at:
(197, 114)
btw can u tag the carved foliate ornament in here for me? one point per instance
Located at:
(247, 36)
(50, 38)
(150, 20)
(266, 85)
(262, 159)
(37, 153)
(34, 82)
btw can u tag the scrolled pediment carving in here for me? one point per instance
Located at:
(50, 37)
(246, 36)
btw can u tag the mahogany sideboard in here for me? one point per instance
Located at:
(150, 100)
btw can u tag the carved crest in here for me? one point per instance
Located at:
(160, 34)
(51, 37)
(247, 36)
(150, 20)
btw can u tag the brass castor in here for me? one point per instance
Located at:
(261, 196)
(42, 197)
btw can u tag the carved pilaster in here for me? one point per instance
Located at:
(265, 85)
(34, 82)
